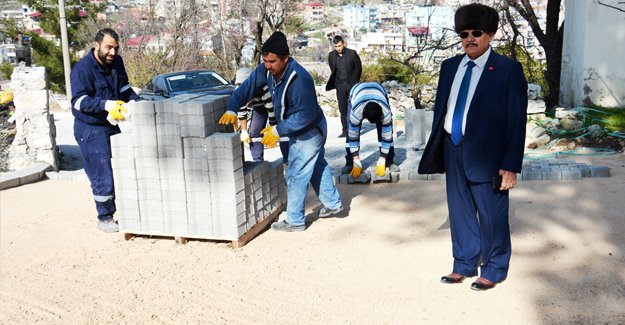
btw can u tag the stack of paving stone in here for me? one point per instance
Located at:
(176, 174)
(560, 169)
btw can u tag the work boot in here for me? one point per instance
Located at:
(108, 226)
(325, 212)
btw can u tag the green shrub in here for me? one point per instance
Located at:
(6, 69)
(613, 119)
(533, 69)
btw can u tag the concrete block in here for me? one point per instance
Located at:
(174, 195)
(196, 108)
(414, 175)
(242, 229)
(364, 177)
(395, 176)
(552, 175)
(126, 195)
(198, 164)
(170, 152)
(125, 179)
(197, 176)
(175, 165)
(599, 171)
(145, 152)
(169, 141)
(29, 176)
(123, 163)
(585, 170)
(195, 142)
(129, 224)
(436, 177)
(123, 151)
(175, 228)
(50, 175)
(574, 174)
(194, 153)
(144, 134)
(8, 180)
(530, 175)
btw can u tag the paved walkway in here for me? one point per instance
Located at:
(407, 157)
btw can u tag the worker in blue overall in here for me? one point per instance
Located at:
(99, 90)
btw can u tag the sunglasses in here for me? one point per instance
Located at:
(475, 33)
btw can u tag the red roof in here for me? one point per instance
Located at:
(82, 13)
(136, 41)
(314, 4)
(418, 30)
(35, 14)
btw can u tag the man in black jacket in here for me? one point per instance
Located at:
(346, 70)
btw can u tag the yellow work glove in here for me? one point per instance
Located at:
(229, 117)
(356, 168)
(270, 136)
(6, 96)
(380, 167)
(117, 112)
(245, 136)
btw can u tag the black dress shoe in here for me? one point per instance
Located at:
(343, 134)
(482, 284)
(453, 278)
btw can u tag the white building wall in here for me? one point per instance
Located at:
(357, 17)
(593, 72)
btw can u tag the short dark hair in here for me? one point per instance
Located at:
(372, 112)
(337, 39)
(106, 31)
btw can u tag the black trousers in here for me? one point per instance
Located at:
(342, 94)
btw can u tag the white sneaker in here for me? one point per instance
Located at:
(108, 226)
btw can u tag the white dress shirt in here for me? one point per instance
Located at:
(455, 87)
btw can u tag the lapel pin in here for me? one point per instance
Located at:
(491, 68)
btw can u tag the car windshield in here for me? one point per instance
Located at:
(195, 80)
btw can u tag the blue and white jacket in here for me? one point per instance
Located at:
(294, 98)
(92, 86)
(359, 96)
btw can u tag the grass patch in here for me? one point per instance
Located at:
(612, 119)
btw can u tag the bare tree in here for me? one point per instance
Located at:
(421, 59)
(272, 13)
(551, 41)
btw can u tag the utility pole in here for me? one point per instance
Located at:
(65, 46)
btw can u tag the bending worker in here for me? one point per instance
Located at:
(369, 100)
(99, 90)
(253, 117)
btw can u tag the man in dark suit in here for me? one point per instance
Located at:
(346, 70)
(477, 139)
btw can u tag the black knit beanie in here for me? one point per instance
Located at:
(276, 44)
(476, 16)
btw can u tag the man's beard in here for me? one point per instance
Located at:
(103, 59)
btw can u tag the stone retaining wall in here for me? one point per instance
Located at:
(35, 137)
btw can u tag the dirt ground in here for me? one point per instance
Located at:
(379, 264)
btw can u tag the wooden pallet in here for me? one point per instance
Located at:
(240, 242)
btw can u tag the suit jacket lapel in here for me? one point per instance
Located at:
(448, 80)
(485, 78)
